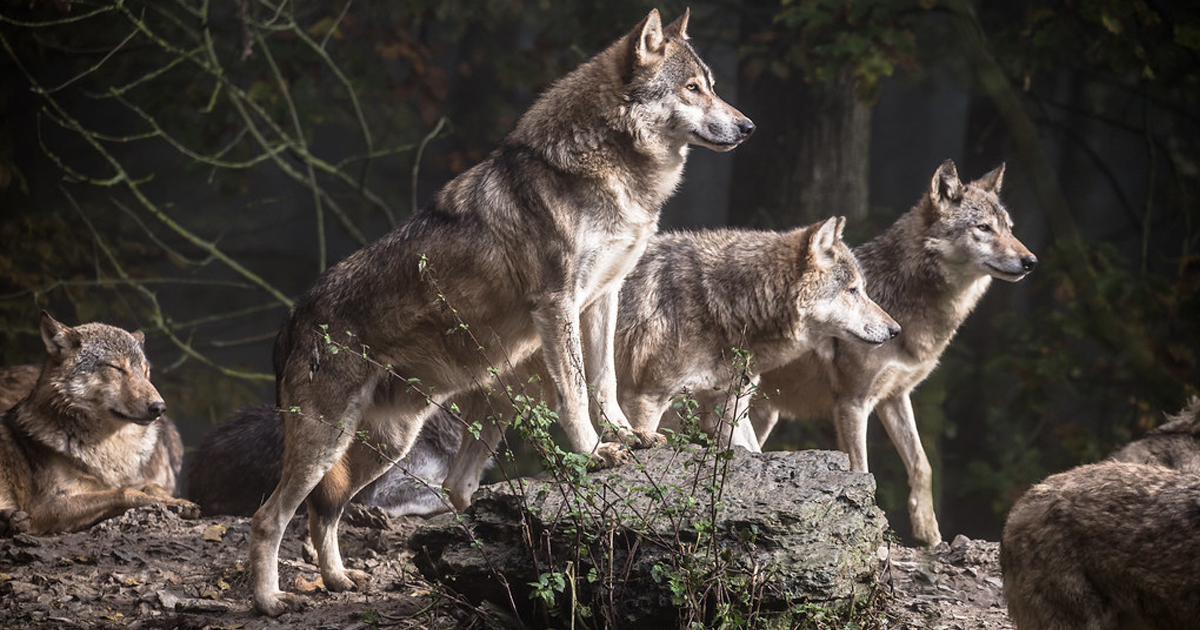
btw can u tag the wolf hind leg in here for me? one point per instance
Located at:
(312, 446)
(386, 434)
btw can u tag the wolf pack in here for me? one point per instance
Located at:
(543, 265)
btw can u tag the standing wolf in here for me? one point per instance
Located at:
(527, 248)
(695, 297)
(928, 270)
(90, 440)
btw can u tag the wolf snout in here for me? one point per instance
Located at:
(745, 127)
(1029, 262)
(893, 331)
(157, 408)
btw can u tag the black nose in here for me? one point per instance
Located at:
(893, 332)
(1029, 262)
(745, 127)
(158, 408)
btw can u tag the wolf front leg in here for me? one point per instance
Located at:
(599, 334)
(558, 325)
(74, 512)
(898, 419)
(850, 418)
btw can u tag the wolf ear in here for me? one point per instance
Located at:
(648, 40)
(992, 181)
(58, 337)
(678, 27)
(140, 337)
(945, 185)
(822, 242)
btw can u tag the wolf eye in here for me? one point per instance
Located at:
(853, 291)
(983, 227)
(692, 87)
(113, 367)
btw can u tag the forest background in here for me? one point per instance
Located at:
(189, 168)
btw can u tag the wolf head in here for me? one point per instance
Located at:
(669, 84)
(971, 230)
(836, 296)
(99, 371)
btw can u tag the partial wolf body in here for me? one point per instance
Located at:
(1108, 546)
(694, 297)
(90, 440)
(928, 270)
(526, 249)
(1175, 444)
(237, 465)
(16, 382)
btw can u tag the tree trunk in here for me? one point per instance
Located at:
(809, 161)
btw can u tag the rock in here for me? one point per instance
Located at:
(784, 527)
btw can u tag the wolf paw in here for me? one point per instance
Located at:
(646, 438)
(608, 455)
(924, 522)
(279, 603)
(183, 507)
(350, 579)
(13, 522)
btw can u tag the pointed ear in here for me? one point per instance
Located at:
(140, 337)
(992, 181)
(823, 240)
(945, 186)
(648, 40)
(57, 337)
(678, 28)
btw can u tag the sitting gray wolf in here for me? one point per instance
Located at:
(525, 250)
(694, 297)
(89, 440)
(1107, 546)
(1175, 444)
(928, 270)
(237, 465)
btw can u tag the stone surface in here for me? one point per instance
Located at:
(796, 527)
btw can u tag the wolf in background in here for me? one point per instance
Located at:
(237, 465)
(525, 250)
(16, 382)
(928, 271)
(89, 440)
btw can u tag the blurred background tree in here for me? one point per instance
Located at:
(190, 168)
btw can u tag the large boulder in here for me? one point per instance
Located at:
(681, 534)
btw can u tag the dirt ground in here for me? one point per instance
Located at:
(152, 569)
